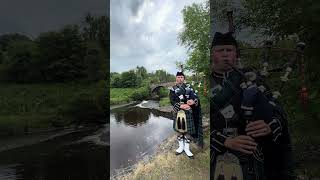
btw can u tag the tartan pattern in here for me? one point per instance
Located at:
(219, 100)
(175, 101)
(190, 123)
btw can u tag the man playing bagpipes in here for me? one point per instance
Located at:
(188, 122)
(243, 119)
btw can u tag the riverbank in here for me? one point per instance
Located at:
(127, 95)
(164, 164)
(123, 105)
(31, 139)
(31, 108)
(164, 160)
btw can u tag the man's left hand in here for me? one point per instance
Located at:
(258, 128)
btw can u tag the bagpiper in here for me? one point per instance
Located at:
(188, 120)
(244, 120)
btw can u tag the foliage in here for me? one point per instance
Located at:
(165, 101)
(141, 94)
(20, 57)
(71, 53)
(163, 92)
(195, 37)
(125, 95)
(7, 39)
(43, 106)
(287, 19)
(61, 54)
(161, 76)
(138, 76)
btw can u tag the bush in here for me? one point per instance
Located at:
(140, 94)
(163, 92)
(89, 107)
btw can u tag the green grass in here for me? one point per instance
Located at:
(125, 95)
(38, 106)
(121, 95)
(166, 165)
(165, 101)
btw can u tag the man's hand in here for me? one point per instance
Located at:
(185, 106)
(241, 143)
(258, 128)
(190, 102)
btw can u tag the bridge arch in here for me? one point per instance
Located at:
(156, 87)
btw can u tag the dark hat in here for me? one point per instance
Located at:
(223, 39)
(179, 74)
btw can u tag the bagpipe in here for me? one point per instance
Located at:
(269, 70)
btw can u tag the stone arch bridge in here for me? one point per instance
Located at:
(154, 88)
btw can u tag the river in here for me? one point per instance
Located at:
(136, 131)
(80, 155)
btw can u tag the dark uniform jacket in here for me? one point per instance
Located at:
(226, 91)
(188, 93)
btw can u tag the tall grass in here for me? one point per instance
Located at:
(28, 107)
(125, 95)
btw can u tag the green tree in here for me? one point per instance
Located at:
(162, 75)
(129, 79)
(6, 39)
(116, 80)
(94, 62)
(96, 30)
(195, 36)
(283, 20)
(142, 71)
(61, 54)
(21, 57)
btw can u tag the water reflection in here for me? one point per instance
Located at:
(134, 116)
(61, 158)
(135, 132)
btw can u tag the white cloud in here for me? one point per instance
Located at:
(145, 33)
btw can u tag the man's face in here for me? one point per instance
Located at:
(223, 56)
(179, 79)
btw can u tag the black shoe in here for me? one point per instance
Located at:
(191, 157)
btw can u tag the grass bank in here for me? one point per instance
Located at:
(126, 95)
(34, 107)
(166, 165)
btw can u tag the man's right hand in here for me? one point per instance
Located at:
(241, 143)
(185, 106)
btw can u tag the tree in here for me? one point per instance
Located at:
(6, 39)
(282, 20)
(94, 62)
(21, 57)
(96, 30)
(195, 37)
(142, 72)
(62, 54)
(129, 79)
(116, 80)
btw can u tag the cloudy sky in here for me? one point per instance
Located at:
(31, 17)
(145, 33)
